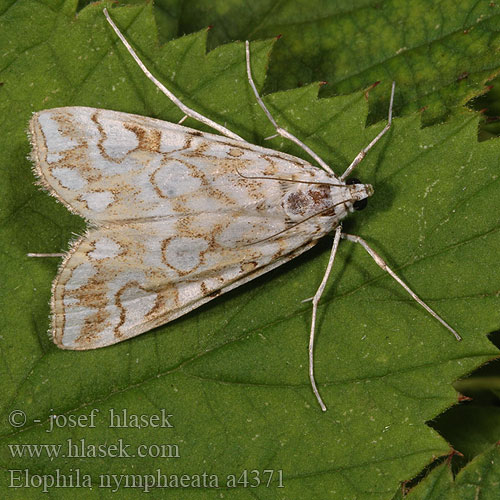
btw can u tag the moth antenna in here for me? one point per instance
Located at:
(265, 177)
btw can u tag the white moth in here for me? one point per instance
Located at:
(177, 216)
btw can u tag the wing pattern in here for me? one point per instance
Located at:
(176, 218)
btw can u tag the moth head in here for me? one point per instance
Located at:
(359, 193)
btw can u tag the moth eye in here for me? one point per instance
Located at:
(360, 204)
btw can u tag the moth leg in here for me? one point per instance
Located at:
(281, 131)
(365, 150)
(187, 111)
(382, 264)
(315, 301)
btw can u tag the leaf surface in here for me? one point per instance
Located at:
(233, 374)
(439, 53)
(478, 480)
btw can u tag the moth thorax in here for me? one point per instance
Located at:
(326, 200)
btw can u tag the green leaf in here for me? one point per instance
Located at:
(233, 373)
(474, 425)
(478, 480)
(489, 104)
(439, 53)
(470, 428)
